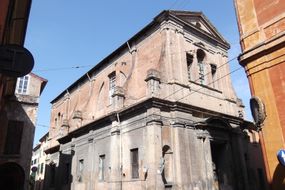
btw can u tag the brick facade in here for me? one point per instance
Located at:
(154, 114)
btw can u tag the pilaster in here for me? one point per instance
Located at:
(115, 172)
(153, 150)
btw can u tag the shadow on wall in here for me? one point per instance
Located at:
(278, 181)
(16, 134)
(11, 176)
(59, 176)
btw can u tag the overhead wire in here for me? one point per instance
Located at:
(42, 125)
(199, 78)
(233, 71)
(173, 4)
(164, 98)
(183, 4)
(63, 68)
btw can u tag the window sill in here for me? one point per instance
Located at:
(168, 185)
(205, 86)
(133, 180)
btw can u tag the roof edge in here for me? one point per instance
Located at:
(163, 15)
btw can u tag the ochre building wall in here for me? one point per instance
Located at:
(262, 35)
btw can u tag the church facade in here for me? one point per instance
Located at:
(159, 112)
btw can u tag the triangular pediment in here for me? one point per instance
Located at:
(199, 21)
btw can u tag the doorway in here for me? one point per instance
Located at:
(11, 176)
(221, 164)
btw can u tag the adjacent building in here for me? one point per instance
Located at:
(16, 130)
(17, 137)
(262, 38)
(159, 112)
(39, 162)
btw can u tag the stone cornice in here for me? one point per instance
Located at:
(141, 107)
(262, 49)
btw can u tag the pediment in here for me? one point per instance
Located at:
(199, 21)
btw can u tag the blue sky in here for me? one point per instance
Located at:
(65, 34)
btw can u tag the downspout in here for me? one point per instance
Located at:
(67, 108)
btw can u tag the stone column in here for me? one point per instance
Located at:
(178, 149)
(115, 174)
(204, 159)
(73, 166)
(91, 160)
(208, 176)
(179, 55)
(153, 165)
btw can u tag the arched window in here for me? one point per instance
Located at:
(201, 65)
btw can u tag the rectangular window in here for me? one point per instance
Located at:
(135, 163)
(42, 168)
(189, 60)
(22, 85)
(80, 169)
(13, 137)
(112, 85)
(81, 166)
(38, 170)
(101, 167)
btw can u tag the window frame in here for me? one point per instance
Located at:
(23, 84)
(42, 168)
(134, 159)
(101, 165)
(80, 169)
(112, 86)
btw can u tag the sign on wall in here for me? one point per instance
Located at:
(281, 156)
